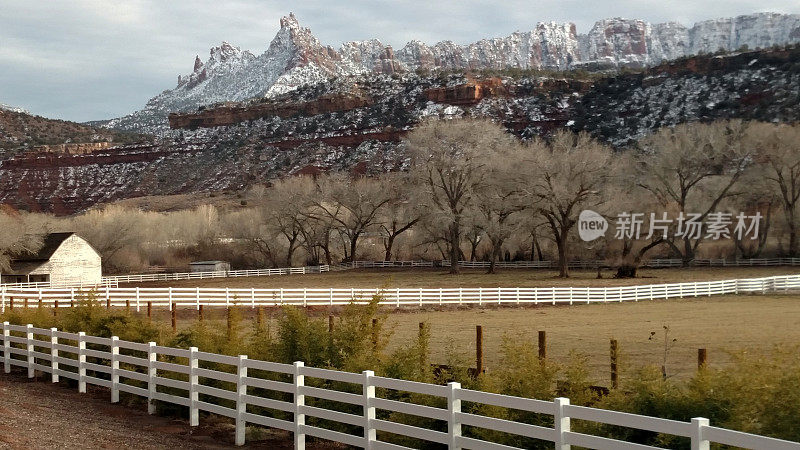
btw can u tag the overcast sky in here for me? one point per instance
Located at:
(97, 59)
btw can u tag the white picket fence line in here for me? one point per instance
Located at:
(116, 280)
(170, 297)
(139, 369)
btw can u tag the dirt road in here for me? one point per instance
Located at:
(40, 415)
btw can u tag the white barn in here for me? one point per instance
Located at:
(65, 258)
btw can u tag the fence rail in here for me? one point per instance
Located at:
(227, 385)
(116, 280)
(173, 297)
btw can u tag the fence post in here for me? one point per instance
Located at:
(561, 422)
(698, 443)
(151, 377)
(72, 297)
(478, 350)
(299, 402)
(81, 362)
(241, 402)
(53, 355)
(194, 380)
(6, 348)
(614, 357)
(370, 435)
(454, 408)
(114, 369)
(29, 348)
(137, 299)
(702, 358)
(542, 345)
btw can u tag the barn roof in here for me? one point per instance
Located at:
(50, 242)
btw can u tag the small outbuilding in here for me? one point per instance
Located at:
(64, 258)
(210, 266)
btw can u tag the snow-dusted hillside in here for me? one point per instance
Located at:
(295, 57)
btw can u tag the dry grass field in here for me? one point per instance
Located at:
(414, 278)
(722, 325)
(725, 324)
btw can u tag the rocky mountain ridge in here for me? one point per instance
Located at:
(295, 57)
(313, 128)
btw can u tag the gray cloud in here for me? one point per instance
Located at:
(95, 59)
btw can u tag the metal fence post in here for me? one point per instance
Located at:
(151, 377)
(6, 348)
(54, 355)
(454, 409)
(561, 423)
(29, 349)
(370, 435)
(698, 443)
(241, 403)
(299, 402)
(194, 380)
(114, 369)
(81, 362)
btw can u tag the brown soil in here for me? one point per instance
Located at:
(41, 415)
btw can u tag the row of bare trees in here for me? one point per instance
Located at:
(471, 191)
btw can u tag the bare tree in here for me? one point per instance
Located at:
(500, 202)
(401, 212)
(694, 167)
(778, 152)
(352, 205)
(284, 209)
(20, 233)
(113, 229)
(560, 178)
(449, 159)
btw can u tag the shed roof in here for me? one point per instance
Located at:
(205, 263)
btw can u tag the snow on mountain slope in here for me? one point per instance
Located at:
(295, 57)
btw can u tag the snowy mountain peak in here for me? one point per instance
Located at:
(290, 21)
(296, 57)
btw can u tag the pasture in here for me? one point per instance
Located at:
(721, 324)
(440, 278)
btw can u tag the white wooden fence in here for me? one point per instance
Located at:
(116, 280)
(148, 370)
(170, 297)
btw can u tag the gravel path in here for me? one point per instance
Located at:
(41, 415)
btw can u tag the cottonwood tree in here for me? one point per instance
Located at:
(401, 212)
(500, 202)
(693, 167)
(351, 204)
(115, 228)
(562, 177)
(449, 160)
(778, 154)
(260, 239)
(284, 208)
(19, 233)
